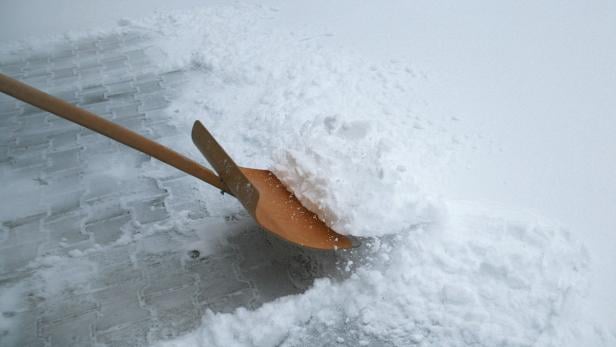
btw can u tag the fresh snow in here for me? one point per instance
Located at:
(358, 142)
(477, 281)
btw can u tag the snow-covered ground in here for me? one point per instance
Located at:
(472, 142)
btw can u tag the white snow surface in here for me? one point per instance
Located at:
(478, 281)
(359, 144)
(348, 137)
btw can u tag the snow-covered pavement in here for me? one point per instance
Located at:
(100, 245)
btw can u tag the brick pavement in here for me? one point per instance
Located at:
(95, 242)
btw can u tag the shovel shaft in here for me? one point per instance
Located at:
(102, 126)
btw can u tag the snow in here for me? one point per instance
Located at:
(386, 150)
(336, 119)
(360, 144)
(478, 280)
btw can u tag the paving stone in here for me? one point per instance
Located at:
(59, 123)
(8, 106)
(4, 235)
(135, 334)
(174, 310)
(149, 103)
(147, 187)
(159, 242)
(90, 70)
(34, 161)
(136, 57)
(63, 73)
(27, 109)
(119, 307)
(86, 46)
(110, 43)
(127, 111)
(251, 244)
(73, 332)
(99, 108)
(42, 72)
(9, 138)
(16, 257)
(217, 278)
(66, 230)
(145, 77)
(148, 87)
(88, 64)
(37, 59)
(123, 87)
(32, 140)
(118, 274)
(64, 308)
(149, 210)
(132, 122)
(103, 207)
(93, 95)
(95, 146)
(108, 230)
(16, 222)
(271, 280)
(157, 117)
(64, 61)
(163, 272)
(230, 302)
(24, 233)
(180, 189)
(66, 95)
(63, 80)
(4, 153)
(9, 129)
(133, 38)
(113, 256)
(31, 117)
(174, 76)
(15, 57)
(63, 160)
(66, 139)
(117, 73)
(119, 100)
(62, 51)
(11, 69)
(24, 334)
(101, 186)
(114, 63)
(64, 203)
(61, 182)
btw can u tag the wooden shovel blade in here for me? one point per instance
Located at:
(267, 200)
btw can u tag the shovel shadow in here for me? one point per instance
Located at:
(256, 267)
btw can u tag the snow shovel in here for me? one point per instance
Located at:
(260, 192)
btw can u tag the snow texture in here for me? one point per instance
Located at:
(479, 281)
(357, 144)
(347, 136)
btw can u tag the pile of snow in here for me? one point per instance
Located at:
(359, 146)
(477, 281)
(348, 137)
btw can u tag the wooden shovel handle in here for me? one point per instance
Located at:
(102, 126)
